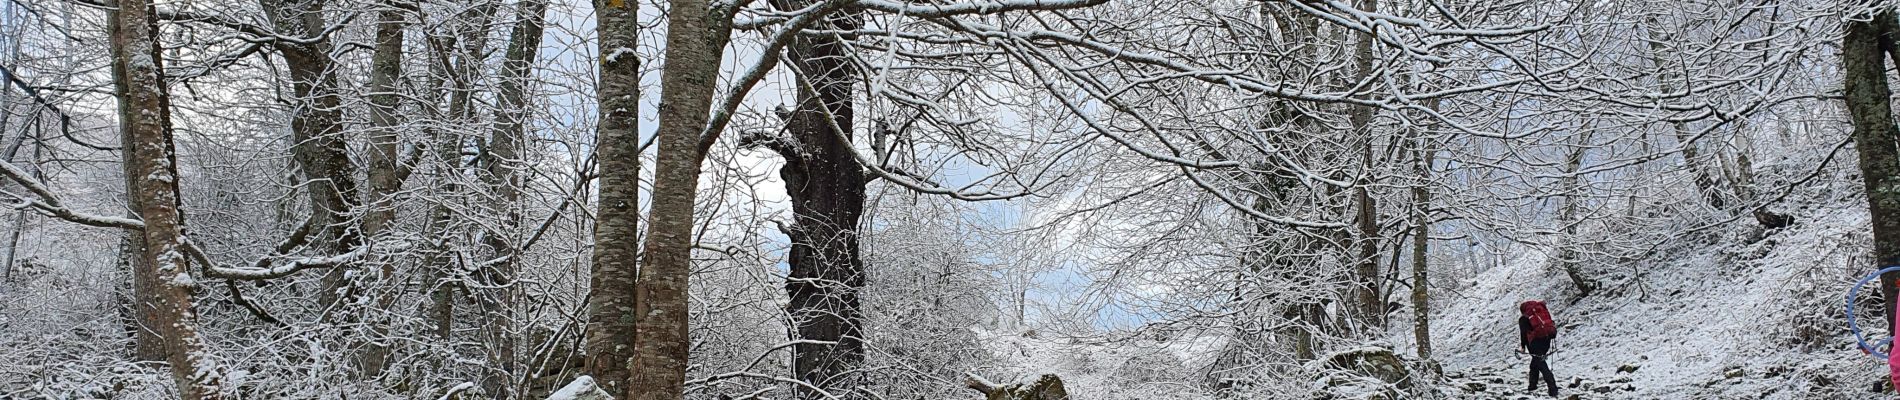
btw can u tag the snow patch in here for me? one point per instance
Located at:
(582, 388)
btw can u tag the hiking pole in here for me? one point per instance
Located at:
(1860, 339)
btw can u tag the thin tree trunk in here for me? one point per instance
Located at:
(610, 303)
(1691, 156)
(1868, 105)
(442, 149)
(12, 149)
(695, 41)
(145, 120)
(1366, 218)
(1573, 186)
(19, 218)
(1741, 175)
(826, 185)
(384, 177)
(458, 59)
(502, 157)
(1421, 246)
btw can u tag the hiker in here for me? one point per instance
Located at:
(1535, 330)
(1893, 358)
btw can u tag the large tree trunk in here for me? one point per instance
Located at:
(610, 316)
(1306, 318)
(316, 128)
(502, 157)
(826, 185)
(141, 304)
(1868, 38)
(153, 168)
(695, 40)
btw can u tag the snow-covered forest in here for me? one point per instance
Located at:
(945, 199)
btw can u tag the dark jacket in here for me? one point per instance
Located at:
(1536, 347)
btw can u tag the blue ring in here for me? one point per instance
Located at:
(1855, 327)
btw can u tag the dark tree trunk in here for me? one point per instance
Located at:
(1868, 39)
(316, 129)
(152, 169)
(610, 316)
(826, 185)
(1367, 292)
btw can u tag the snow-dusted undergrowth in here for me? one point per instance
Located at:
(1738, 314)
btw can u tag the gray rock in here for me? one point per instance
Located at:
(1376, 362)
(1474, 386)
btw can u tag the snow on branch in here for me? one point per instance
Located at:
(973, 7)
(273, 266)
(49, 203)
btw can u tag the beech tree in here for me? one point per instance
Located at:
(610, 317)
(872, 198)
(152, 175)
(1864, 51)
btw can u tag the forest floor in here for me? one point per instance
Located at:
(1729, 314)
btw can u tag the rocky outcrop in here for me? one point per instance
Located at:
(1046, 387)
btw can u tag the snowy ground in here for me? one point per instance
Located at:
(1726, 318)
(1734, 313)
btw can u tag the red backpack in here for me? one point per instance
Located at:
(1542, 327)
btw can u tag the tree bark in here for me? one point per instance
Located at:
(502, 157)
(1367, 291)
(385, 105)
(695, 40)
(153, 168)
(316, 128)
(1421, 246)
(610, 316)
(1868, 38)
(457, 60)
(385, 178)
(147, 342)
(1704, 181)
(826, 185)
(1573, 185)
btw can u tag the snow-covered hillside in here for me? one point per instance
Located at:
(1734, 313)
(1731, 317)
